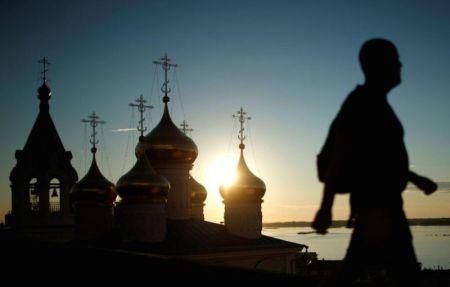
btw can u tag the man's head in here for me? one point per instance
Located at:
(380, 63)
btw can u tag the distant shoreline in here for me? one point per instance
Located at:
(342, 223)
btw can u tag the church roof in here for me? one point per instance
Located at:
(44, 147)
(43, 137)
(191, 237)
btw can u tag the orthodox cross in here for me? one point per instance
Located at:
(45, 63)
(184, 127)
(141, 108)
(166, 65)
(242, 118)
(93, 120)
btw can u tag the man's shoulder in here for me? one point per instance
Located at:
(355, 97)
(354, 103)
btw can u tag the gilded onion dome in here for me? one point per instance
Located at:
(246, 187)
(167, 144)
(198, 191)
(142, 184)
(93, 188)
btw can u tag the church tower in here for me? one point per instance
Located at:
(93, 196)
(43, 175)
(243, 197)
(171, 153)
(141, 214)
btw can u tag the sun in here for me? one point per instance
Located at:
(220, 171)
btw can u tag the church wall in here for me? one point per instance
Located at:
(282, 260)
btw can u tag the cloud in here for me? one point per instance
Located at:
(124, 130)
(444, 186)
(294, 206)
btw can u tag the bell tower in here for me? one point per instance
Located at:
(43, 175)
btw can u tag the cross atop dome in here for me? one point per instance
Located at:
(45, 63)
(184, 127)
(166, 65)
(93, 122)
(242, 117)
(141, 108)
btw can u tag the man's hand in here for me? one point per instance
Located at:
(322, 221)
(425, 184)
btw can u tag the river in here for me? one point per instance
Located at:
(432, 243)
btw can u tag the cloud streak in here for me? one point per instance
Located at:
(124, 130)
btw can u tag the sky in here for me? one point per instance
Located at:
(289, 64)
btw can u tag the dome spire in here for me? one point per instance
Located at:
(166, 65)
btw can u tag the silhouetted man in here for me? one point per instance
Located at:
(365, 155)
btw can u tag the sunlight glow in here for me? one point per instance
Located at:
(221, 170)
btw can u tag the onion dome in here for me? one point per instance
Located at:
(246, 188)
(198, 191)
(44, 92)
(167, 144)
(142, 184)
(93, 188)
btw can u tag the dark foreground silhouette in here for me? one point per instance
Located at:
(365, 155)
(26, 261)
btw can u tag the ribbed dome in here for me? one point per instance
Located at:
(247, 187)
(142, 184)
(93, 188)
(198, 191)
(167, 144)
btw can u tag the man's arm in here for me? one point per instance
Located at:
(322, 220)
(425, 184)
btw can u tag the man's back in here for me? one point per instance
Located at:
(369, 154)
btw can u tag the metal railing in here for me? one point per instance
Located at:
(54, 207)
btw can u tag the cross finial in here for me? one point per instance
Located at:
(93, 120)
(166, 65)
(242, 118)
(184, 128)
(45, 63)
(141, 108)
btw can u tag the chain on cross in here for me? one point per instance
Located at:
(93, 121)
(166, 65)
(242, 118)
